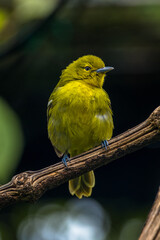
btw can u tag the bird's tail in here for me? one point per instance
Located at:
(82, 186)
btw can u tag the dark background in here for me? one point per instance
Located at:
(31, 60)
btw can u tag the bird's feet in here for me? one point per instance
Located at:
(105, 144)
(65, 159)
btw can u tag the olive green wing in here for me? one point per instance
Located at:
(51, 104)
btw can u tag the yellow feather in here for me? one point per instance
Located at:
(79, 115)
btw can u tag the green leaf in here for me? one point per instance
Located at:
(11, 141)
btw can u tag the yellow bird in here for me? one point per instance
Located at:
(80, 116)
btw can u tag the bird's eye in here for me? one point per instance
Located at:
(87, 68)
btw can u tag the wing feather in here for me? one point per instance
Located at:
(49, 113)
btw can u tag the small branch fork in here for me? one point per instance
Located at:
(31, 185)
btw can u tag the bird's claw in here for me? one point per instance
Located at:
(65, 159)
(105, 144)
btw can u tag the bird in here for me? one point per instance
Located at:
(79, 115)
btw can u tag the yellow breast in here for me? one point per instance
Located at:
(80, 117)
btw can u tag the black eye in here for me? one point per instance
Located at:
(87, 68)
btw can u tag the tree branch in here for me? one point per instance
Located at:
(31, 185)
(151, 230)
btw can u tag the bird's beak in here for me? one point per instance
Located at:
(104, 70)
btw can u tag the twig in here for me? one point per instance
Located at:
(31, 185)
(151, 230)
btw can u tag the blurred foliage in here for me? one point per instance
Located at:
(11, 141)
(28, 10)
(17, 14)
(3, 19)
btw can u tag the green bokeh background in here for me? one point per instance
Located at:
(11, 141)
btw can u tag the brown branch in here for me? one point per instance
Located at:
(31, 185)
(151, 230)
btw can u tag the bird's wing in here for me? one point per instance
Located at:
(50, 106)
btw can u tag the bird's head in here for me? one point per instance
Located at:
(89, 68)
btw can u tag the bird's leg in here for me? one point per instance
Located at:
(105, 144)
(65, 158)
